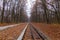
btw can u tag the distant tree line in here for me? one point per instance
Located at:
(47, 11)
(12, 11)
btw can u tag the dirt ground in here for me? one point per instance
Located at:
(51, 30)
(12, 33)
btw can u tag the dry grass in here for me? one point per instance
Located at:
(51, 30)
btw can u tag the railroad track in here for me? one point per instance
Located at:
(34, 34)
(31, 33)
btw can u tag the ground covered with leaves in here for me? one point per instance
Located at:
(5, 24)
(51, 30)
(12, 33)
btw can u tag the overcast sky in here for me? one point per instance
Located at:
(29, 6)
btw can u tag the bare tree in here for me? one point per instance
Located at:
(4, 1)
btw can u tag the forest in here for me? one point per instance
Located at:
(44, 11)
